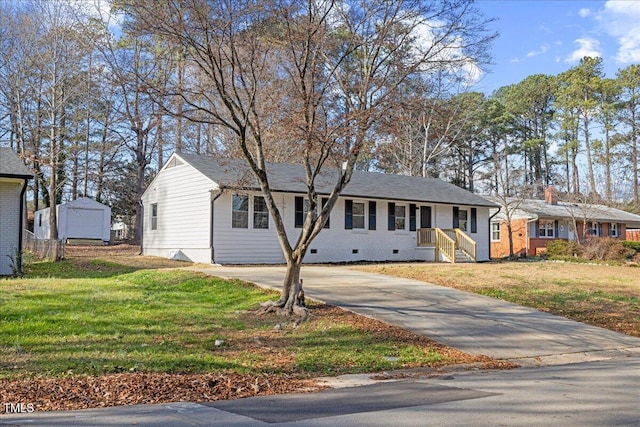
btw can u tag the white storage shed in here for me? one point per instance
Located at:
(82, 218)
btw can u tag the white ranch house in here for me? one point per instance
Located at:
(211, 210)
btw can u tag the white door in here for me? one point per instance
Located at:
(84, 223)
(572, 231)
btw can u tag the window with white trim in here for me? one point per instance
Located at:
(495, 231)
(260, 213)
(594, 230)
(357, 215)
(613, 230)
(154, 216)
(240, 211)
(462, 219)
(400, 217)
(546, 228)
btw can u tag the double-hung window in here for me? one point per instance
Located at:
(260, 213)
(495, 231)
(613, 230)
(462, 220)
(154, 216)
(301, 209)
(354, 215)
(546, 228)
(240, 211)
(400, 217)
(357, 215)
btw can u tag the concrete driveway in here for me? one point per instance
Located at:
(472, 323)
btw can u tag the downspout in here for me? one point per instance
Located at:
(490, 218)
(214, 196)
(21, 224)
(142, 227)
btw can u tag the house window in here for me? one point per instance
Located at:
(240, 212)
(39, 220)
(400, 217)
(353, 215)
(462, 220)
(260, 213)
(613, 230)
(546, 228)
(154, 216)
(301, 209)
(495, 231)
(327, 223)
(358, 215)
(594, 229)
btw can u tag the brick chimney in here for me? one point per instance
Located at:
(551, 195)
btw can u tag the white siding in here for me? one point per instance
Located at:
(338, 245)
(183, 197)
(83, 218)
(333, 244)
(9, 223)
(41, 227)
(246, 245)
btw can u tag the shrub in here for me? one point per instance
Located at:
(605, 249)
(561, 249)
(632, 245)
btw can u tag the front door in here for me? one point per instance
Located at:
(425, 216)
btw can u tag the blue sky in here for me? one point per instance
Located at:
(550, 36)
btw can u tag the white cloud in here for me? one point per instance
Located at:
(587, 46)
(544, 29)
(543, 49)
(621, 19)
(584, 12)
(448, 51)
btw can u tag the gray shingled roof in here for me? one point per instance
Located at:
(540, 209)
(11, 166)
(290, 178)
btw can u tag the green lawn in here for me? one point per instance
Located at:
(97, 317)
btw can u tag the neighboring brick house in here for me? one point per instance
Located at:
(535, 223)
(13, 183)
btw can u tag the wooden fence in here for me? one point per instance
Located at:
(633, 235)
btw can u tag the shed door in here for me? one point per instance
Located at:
(84, 223)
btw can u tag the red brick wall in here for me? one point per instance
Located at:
(518, 231)
(633, 235)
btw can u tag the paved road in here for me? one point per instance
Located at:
(574, 374)
(597, 394)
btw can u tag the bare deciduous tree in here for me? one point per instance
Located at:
(327, 69)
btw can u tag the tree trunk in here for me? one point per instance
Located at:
(291, 285)
(607, 165)
(510, 233)
(140, 169)
(587, 145)
(635, 159)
